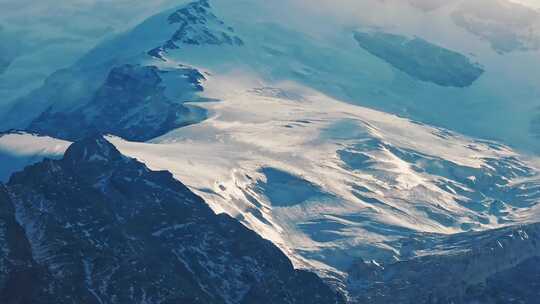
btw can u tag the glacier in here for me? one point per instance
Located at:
(355, 165)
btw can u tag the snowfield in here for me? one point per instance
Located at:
(331, 182)
(355, 179)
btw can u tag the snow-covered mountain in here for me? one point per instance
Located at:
(332, 183)
(367, 145)
(275, 44)
(98, 227)
(132, 103)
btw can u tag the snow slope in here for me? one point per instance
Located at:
(277, 44)
(331, 182)
(501, 104)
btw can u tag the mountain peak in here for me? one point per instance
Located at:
(197, 25)
(94, 148)
(96, 225)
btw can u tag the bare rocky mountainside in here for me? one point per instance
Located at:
(98, 227)
(498, 266)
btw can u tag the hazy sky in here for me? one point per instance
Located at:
(51, 34)
(535, 3)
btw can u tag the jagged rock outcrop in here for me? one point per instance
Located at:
(131, 104)
(98, 227)
(21, 279)
(197, 25)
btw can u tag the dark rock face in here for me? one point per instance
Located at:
(421, 59)
(498, 266)
(98, 227)
(63, 90)
(21, 279)
(197, 25)
(131, 103)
